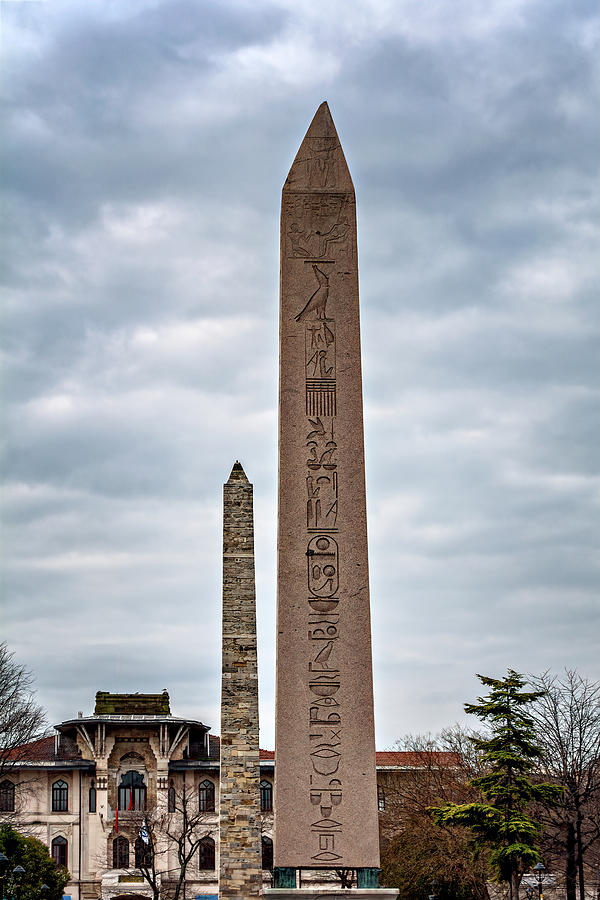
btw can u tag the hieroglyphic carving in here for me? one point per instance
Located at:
(318, 233)
(326, 738)
(308, 244)
(326, 797)
(326, 777)
(322, 503)
(318, 299)
(319, 350)
(321, 399)
(321, 162)
(318, 227)
(321, 448)
(322, 553)
(322, 479)
(322, 556)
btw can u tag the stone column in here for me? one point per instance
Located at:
(240, 858)
(325, 782)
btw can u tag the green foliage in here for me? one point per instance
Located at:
(39, 867)
(499, 822)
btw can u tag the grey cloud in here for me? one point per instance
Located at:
(145, 153)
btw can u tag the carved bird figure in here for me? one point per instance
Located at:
(317, 301)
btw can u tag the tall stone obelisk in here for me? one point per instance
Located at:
(240, 868)
(325, 787)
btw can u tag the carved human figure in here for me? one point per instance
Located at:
(337, 234)
(322, 162)
(300, 239)
(316, 243)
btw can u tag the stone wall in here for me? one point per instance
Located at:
(132, 704)
(240, 874)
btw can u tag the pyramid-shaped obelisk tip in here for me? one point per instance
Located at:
(322, 123)
(320, 164)
(237, 473)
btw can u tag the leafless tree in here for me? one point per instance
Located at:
(346, 877)
(22, 721)
(567, 718)
(416, 853)
(156, 832)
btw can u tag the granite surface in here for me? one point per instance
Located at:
(325, 789)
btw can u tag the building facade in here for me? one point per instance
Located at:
(93, 791)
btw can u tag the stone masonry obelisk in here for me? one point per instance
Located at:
(325, 781)
(240, 868)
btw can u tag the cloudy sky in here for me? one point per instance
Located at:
(145, 144)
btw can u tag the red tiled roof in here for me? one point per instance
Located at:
(413, 758)
(401, 757)
(42, 750)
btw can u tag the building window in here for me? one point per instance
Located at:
(266, 795)
(60, 796)
(143, 854)
(267, 853)
(92, 799)
(380, 798)
(206, 796)
(7, 796)
(120, 853)
(171, 798)
(132, 791)
(206, 854)
(59, 851)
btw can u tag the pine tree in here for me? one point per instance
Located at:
(499, 822)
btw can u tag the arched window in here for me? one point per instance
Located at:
(171, 798)
(267, 853)
(380, 798)
(206, 854)
(266, 795)
(59, 851)
(120, 853)
(92, 799)
(206, 796)
(143, 854)
(7, 796)
(132, 791)
(60, 796)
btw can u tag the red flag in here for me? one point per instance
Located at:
(117, 818)
(130, 806)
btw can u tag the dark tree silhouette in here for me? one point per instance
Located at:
(566, 718)
(500, 820)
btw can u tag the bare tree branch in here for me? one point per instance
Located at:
(567, 721)
(156, 832)
(22, 720)
(417, 853)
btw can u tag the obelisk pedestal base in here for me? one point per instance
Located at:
(330, 893)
